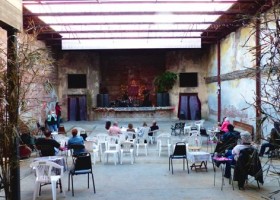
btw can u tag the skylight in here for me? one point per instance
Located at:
(130, 24)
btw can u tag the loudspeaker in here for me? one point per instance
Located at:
(106, 100)
(159, 99)
(100, 100)
(165, 99)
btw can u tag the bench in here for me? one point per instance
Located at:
(241, 126)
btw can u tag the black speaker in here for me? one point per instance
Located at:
(106, 102)
(100, 100)
(159, 99)
(165, 99)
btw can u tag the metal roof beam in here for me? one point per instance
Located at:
(63, 2)
(132, 38)
(131, 31)
(138, 23)
(230, 12)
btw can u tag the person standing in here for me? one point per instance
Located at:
(58, 113)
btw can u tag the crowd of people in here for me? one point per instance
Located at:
(231, 143)
(48, 146)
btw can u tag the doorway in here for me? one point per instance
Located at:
(189, 106)
(77, 108)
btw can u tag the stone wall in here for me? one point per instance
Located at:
(78, 62)
(237, 81)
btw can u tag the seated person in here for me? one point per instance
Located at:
(28, 140)
(273, 142)
(47, 145)
(153, 128)
(224, 126)
(76, 140)
(142, 129)
(246, 142)
(228, 140)
(52, 121)
(131, 129)
(114, 130)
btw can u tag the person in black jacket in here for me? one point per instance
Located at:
(248, 163)
(47, 145)
(228, 140)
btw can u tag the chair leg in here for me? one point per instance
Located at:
(188, 165)
(131, 157)
(72, 185)
(88, 180)
(69, 182)
(53, 183)
(146, 149)
(93, 182)
(36, 190)
(172, 165)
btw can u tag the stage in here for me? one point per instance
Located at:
(133, 113)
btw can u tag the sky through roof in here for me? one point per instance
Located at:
(128, 24)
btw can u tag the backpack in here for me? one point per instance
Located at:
(53, 120)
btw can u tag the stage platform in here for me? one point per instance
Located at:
(132, 113)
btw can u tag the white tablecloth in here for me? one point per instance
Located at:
(198, 156)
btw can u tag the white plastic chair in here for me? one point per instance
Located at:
(154, 136)
(194, 141)
(129, 135)
(164, 141)
(127, 147)
(45, 175)
(92, 147)
(101, 140)
(112, 148)
(143, 140)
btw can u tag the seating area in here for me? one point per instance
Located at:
(153, 173)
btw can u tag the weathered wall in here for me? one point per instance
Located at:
(40, 97)
(79, 62)
(236, 94)
(191, 60)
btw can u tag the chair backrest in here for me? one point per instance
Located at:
(90, 146)
(164, 139)
(44, 170)
(194, 138)
(83, 162)
(102, 137)
(180, 149)
(145, 131)
(130, 135)
(126, 146)
(74, 148)
(112, 143)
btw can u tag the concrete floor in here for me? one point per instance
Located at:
(148, 178)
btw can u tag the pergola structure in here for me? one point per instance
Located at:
(137, 24)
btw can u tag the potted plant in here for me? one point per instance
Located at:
(163, 83)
